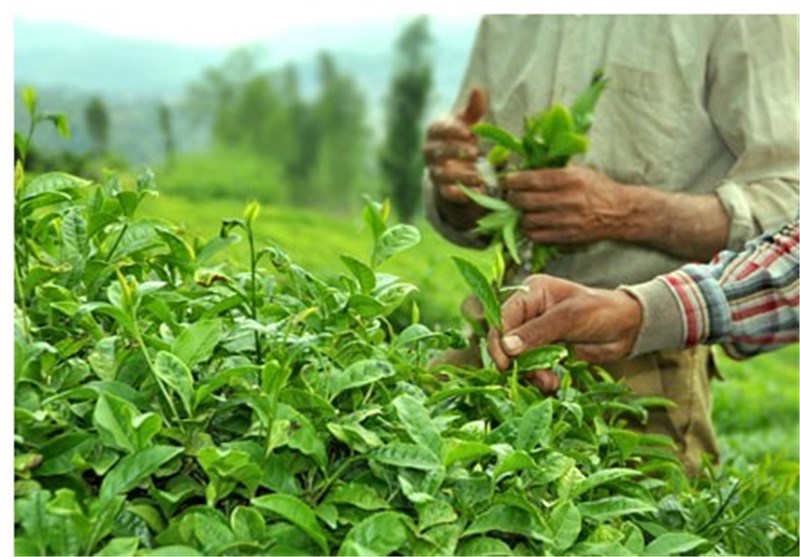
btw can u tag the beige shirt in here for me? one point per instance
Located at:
(695, 104)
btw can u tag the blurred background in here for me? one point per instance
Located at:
(300, 116)
(305, 111)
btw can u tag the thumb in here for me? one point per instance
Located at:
(476, 107)
(549, 327)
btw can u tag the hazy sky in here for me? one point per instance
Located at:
(224, 22)
(228, 22)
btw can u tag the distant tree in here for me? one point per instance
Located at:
(244, 106)
(97, 121)
(400, 156)
(303, 135)
(165, 125)
(320, 144)
(340, 112)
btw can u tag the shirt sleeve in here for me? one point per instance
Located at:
(752, 98)
(747, 301)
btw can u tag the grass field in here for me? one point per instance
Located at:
(755, 407)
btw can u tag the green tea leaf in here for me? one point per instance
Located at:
(514, 462)
(363, 274)
(568, 144)
(29, 99)
(482, 545)
(119, 546)
(359, 374)
(542, 357)
(612, 507)
(418, 424)
(129, 201)
(248, 524)
(295, 511)
(498, 156)
(365, 306)
(553, 122)
(358, 495)
(499, 136)
(393, 295)
(404, 455)
(585, 102)
(380, 534)
(374, 216)
(134, 468)
(565, 521)
(482, 289)
(534, 425)
(553, 467)
(176, 374)
(502, 518)
(31, 512)
(509, 234)
(113, 418)
(53, 182)
(65, 453)
(196, 343)
(251, 212)
(602, 477)
(488, 202)
(674, 543)
(457, 450)
(435, 512)
(394, 240)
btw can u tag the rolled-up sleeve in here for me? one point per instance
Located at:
(753, 101)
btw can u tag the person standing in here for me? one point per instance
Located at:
(694, 149)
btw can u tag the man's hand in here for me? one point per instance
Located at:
(568, 205)
(451, 151)
(578, 205)
(602, 325)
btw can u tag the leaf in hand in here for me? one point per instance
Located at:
(482, 289)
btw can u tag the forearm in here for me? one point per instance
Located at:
(690, 227)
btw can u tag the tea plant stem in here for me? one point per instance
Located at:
(721, 510)
(253, 312)
(138, 336)
(22, 306)
(117, 241)
(325, 485)
(514, 392)
(28, 138)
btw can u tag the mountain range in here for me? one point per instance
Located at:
(68, 64)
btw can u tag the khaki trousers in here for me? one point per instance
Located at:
(682, 376)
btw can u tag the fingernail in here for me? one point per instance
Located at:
(512, 343)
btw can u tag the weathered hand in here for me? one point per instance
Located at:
(568, 205)
(602, 325)
(451, 151)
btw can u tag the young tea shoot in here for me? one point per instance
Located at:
(550, 139)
